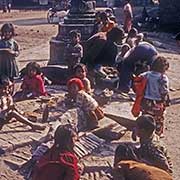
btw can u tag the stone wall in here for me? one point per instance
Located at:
(170, 12)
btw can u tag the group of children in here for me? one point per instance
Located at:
(151, 99)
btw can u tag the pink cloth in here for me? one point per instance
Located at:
(127, 17)
(34, 85)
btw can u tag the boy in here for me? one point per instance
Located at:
(150, 151)
(128, 167)
(73, 50)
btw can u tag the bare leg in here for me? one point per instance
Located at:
(24, 120)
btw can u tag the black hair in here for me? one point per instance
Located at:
(79, 65)
(74, 33)
(63, 137)
(160, 64)
(7, 27)
(132, 31)
(146, 122)
(35, 66)
(115, 34)
(103, 15)
(4, 81)
(125, 151)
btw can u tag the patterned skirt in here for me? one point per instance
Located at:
(156, 109)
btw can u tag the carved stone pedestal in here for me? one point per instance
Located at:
(81, 17)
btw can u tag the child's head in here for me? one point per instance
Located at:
(7, 31)
(124, 152)
(139, 38)
(80, 70)
(145, 126)
(5, 84)
(33, 69)
(132, 33)
(75, 36)
(160, 64)
(74, 85)
(64, 137)
(124, 49)
(109, 12)
(104, 17)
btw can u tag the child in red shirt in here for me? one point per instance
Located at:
(33, 83)
(60, 161)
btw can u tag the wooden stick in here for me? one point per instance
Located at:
(126, 122)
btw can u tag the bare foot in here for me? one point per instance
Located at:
(38, 127)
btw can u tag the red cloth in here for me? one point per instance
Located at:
(76, 81)
(34, 85)
(57, 166)
(139, 85)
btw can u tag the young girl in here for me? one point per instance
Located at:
(80, 71)
(156, 91)
(7, 109)
(59, 162)
(9, 50)
(33, 84)
(83, 100)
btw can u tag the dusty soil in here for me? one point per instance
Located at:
(33, 35)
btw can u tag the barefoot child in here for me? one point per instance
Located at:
(9, 50)
(7, 109)
(33, 83)
(80, 71)
(83, 100)
(156, 92)
(60, 161)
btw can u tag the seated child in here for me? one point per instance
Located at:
(127, 167)
(33, 83)
(151, 151)
(80, 71)
(7, 109)
(83, 100)
(59, 162)
(73, 51)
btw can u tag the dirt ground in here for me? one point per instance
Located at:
(33, 35)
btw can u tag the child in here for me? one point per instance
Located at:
(80, 71)
(74, 50)
(9, 49)
(107, 24)
(124, 49)
(139, 38)
(156, 96)
(33, 84)
(83, 100)
(132, 37)
(7, 109)
(59, 162)
(128, 167)
(151, 151)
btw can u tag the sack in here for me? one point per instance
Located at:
(139, 86)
